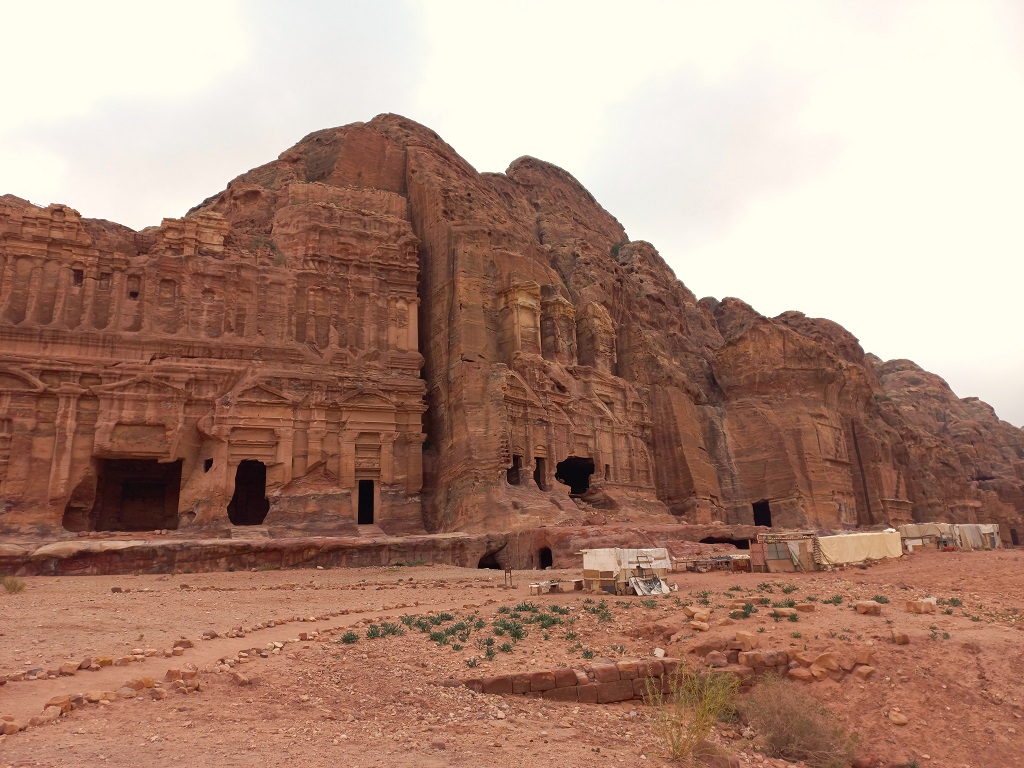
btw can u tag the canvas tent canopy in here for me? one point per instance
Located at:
(858, 547)
(976, 536)
(612, 569)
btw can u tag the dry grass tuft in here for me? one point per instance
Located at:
(794, 726)
(12, 585)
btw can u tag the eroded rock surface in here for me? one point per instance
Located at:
(366, 330)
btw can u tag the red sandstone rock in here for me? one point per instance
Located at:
(258, 362)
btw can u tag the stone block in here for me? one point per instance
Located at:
(627, 670)
(617, 690)
(901, 638)
(804, 607)
(542, 681)
(864, 671)
(562, 694)
(63, 703)
(748, 641)
(920, 606)
(868, 607)
(500, 685)
(565, 678)
(605, 673)
(587, 694)
(803, 674)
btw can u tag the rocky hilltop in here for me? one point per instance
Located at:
(366, 331)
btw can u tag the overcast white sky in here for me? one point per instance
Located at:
(861, 161)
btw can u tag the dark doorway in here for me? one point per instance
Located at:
(490, 562)
(607, 471)
(762, 513)
(1013, 537)
(366, 502)
(545, 558)
(738, 543)
(249, 504)
(512, 473)
(575, 472)
(134, 495)
(540, 473)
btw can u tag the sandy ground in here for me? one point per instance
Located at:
(377, 702)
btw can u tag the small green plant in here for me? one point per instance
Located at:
(559, 610)
(472, 661)
(796, 635)
(787, 603)
(684, 711)
(834, 600)
(373, 632)
(649, 603)
(764, 601)
(880, 599)
(570, 635)
(956, 602)
(735, 588)
(948, 611)
(390, 628)
(350, 637)
(764, 586)
(456, 647)
(587, 654)
(12, 585)
(794, 617)
(489, 654)
(504, 609)
(789, 589)
(267, 567)
(526, 607)
(760, 629)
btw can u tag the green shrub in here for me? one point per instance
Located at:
(880, 599)
(682, 716)
(12, 585)
(350, 637)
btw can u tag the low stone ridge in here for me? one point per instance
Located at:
(367, 336)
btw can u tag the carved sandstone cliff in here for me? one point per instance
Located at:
(368, 330)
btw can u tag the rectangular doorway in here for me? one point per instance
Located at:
(136, 495)
(762, 513)
(366, 502)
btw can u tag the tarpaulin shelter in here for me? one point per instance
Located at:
(976, 536)
(783, 552)
(612, 569)
(858, 547)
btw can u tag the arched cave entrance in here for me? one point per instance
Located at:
(489, 562)
(366, 502)
(738, 543)
(545, 558)
(131, 495)
(575, 472)
(249, 504)
(762, 513)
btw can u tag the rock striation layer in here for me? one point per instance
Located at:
(368, 331)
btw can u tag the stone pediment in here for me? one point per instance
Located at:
(517, 389)
(261, 393)
(368, 398)
(11, 379)
(141, 387)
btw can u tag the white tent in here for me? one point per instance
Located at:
(858, 547)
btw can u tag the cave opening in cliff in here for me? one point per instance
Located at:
(512, 473)
(249, 504)
(738, 543)
(366, 502)
(575, 472)
(545, 558)
(489, 562)
(762, 513)
(1013, 537)
(540, 476)
(131, 495)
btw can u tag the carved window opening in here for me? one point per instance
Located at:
(134, 286)
(77, 277)
(366, 503)
(607, 471)
(540, 473)
(762, 513)
(575, 472)
(207, 465)
(545, 558)
(129, 495)
(512, 473)
(249, 504)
